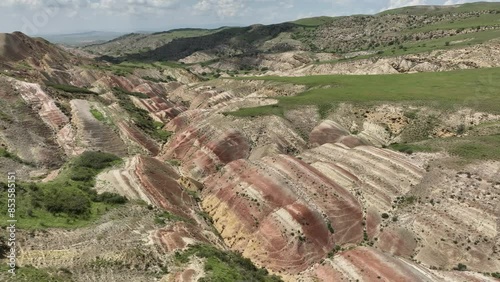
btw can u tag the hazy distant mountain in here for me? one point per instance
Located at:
(83, 38)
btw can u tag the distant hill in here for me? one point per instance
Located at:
(142, 42)
(399, 31)
(436, 9)
(84, 38)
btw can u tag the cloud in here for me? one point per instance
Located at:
(402, 3)
(35, 4)
(110, 6)
(453, 2)
(133, 6)
(234, 8)
(223, 8)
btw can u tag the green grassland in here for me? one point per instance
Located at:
(128, 68)
(477, 89)
(69, 201)
(31, 274)
(70, 88)
(467, 148)
(446, 91)
(432, 10)
(185, 33)
(136, 43)
(314, 22)
(482, 21)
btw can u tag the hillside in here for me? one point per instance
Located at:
(392, 31)
(247, 154)
(137, 42)
(83, 38)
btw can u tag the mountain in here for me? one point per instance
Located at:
(140, 42)
(224, 155)
(408, 30)
(83, 38)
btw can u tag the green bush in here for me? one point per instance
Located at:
(135, 94)
(226, 266)
(158, 80)
(82, 174)
(70, 88)
(95, 160)
(460, 267)
(67, 200)
(97, 114)
(141, 117)
(330, 227)
(167, 216)
(110, 198)
(174, 162)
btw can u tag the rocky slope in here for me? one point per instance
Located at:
(478, 56)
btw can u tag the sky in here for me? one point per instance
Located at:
(36, 17)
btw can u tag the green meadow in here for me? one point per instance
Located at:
(478, 89)
(447, 91)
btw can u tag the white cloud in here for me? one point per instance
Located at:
(233, 8)
(223, 8)
(44, 3)
(453, 2)
(110, 6)
(402, 3)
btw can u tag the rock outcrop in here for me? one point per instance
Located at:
(282, 212)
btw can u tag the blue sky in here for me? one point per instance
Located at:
(66, 16)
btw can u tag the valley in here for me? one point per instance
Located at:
(361, 148)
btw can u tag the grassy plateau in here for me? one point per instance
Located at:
(477, 89)
(445, 91)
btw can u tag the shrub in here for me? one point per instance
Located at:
(330, 227)
(70, 88)
(141, 117)
(68, 200)
(460, 267)
(97, 115)
(110, 198)
(95, 160)
(461, 129)
(385, 216)
(82, 174)
(135, 94)
(411, 115)
(226, 266)
(174, 162)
